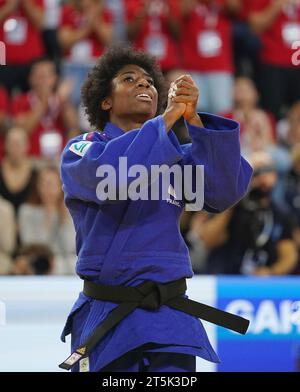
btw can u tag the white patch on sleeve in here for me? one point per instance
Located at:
(80, 148)
(84, 365)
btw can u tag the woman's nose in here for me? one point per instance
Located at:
(143, 82)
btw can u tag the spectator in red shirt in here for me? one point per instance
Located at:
(21, 22)
(153, 26)
(278, 24)
(45, 112)
(206, 50)
(85, 30)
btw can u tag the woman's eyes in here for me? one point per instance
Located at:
(131, 79)
(128, 79)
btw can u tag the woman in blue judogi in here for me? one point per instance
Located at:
(133, 314)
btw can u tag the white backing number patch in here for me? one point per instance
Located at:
(80, 148)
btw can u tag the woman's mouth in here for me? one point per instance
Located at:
(144, 97)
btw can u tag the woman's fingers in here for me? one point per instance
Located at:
(186, 91)
(183, 90)
(186, 78)
(186, 85)
(184, 82)
(184, 98)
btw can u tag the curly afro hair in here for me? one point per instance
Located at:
(98, 85)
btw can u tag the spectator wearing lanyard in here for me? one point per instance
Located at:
(21, 22)
(206, 50)
(277, 22)
(153, 26)
(45, 112)
(85, 29)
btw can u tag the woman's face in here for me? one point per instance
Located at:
(49, 186)
(16, 144)
(245, 92)
(43, 76)
(133, 95)
(257, 135)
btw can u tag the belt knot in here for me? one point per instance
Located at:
(153, 296)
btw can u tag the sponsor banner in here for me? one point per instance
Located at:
(273, 307)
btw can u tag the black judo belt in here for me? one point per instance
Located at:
(148, 295)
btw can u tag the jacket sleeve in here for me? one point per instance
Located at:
(148, 146)
(217, 147)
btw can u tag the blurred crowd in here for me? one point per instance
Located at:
(244, 56)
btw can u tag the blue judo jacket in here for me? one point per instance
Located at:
(126, 242)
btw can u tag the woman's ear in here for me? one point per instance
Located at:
(106, 104)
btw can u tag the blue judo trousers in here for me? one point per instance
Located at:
(126, 242)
